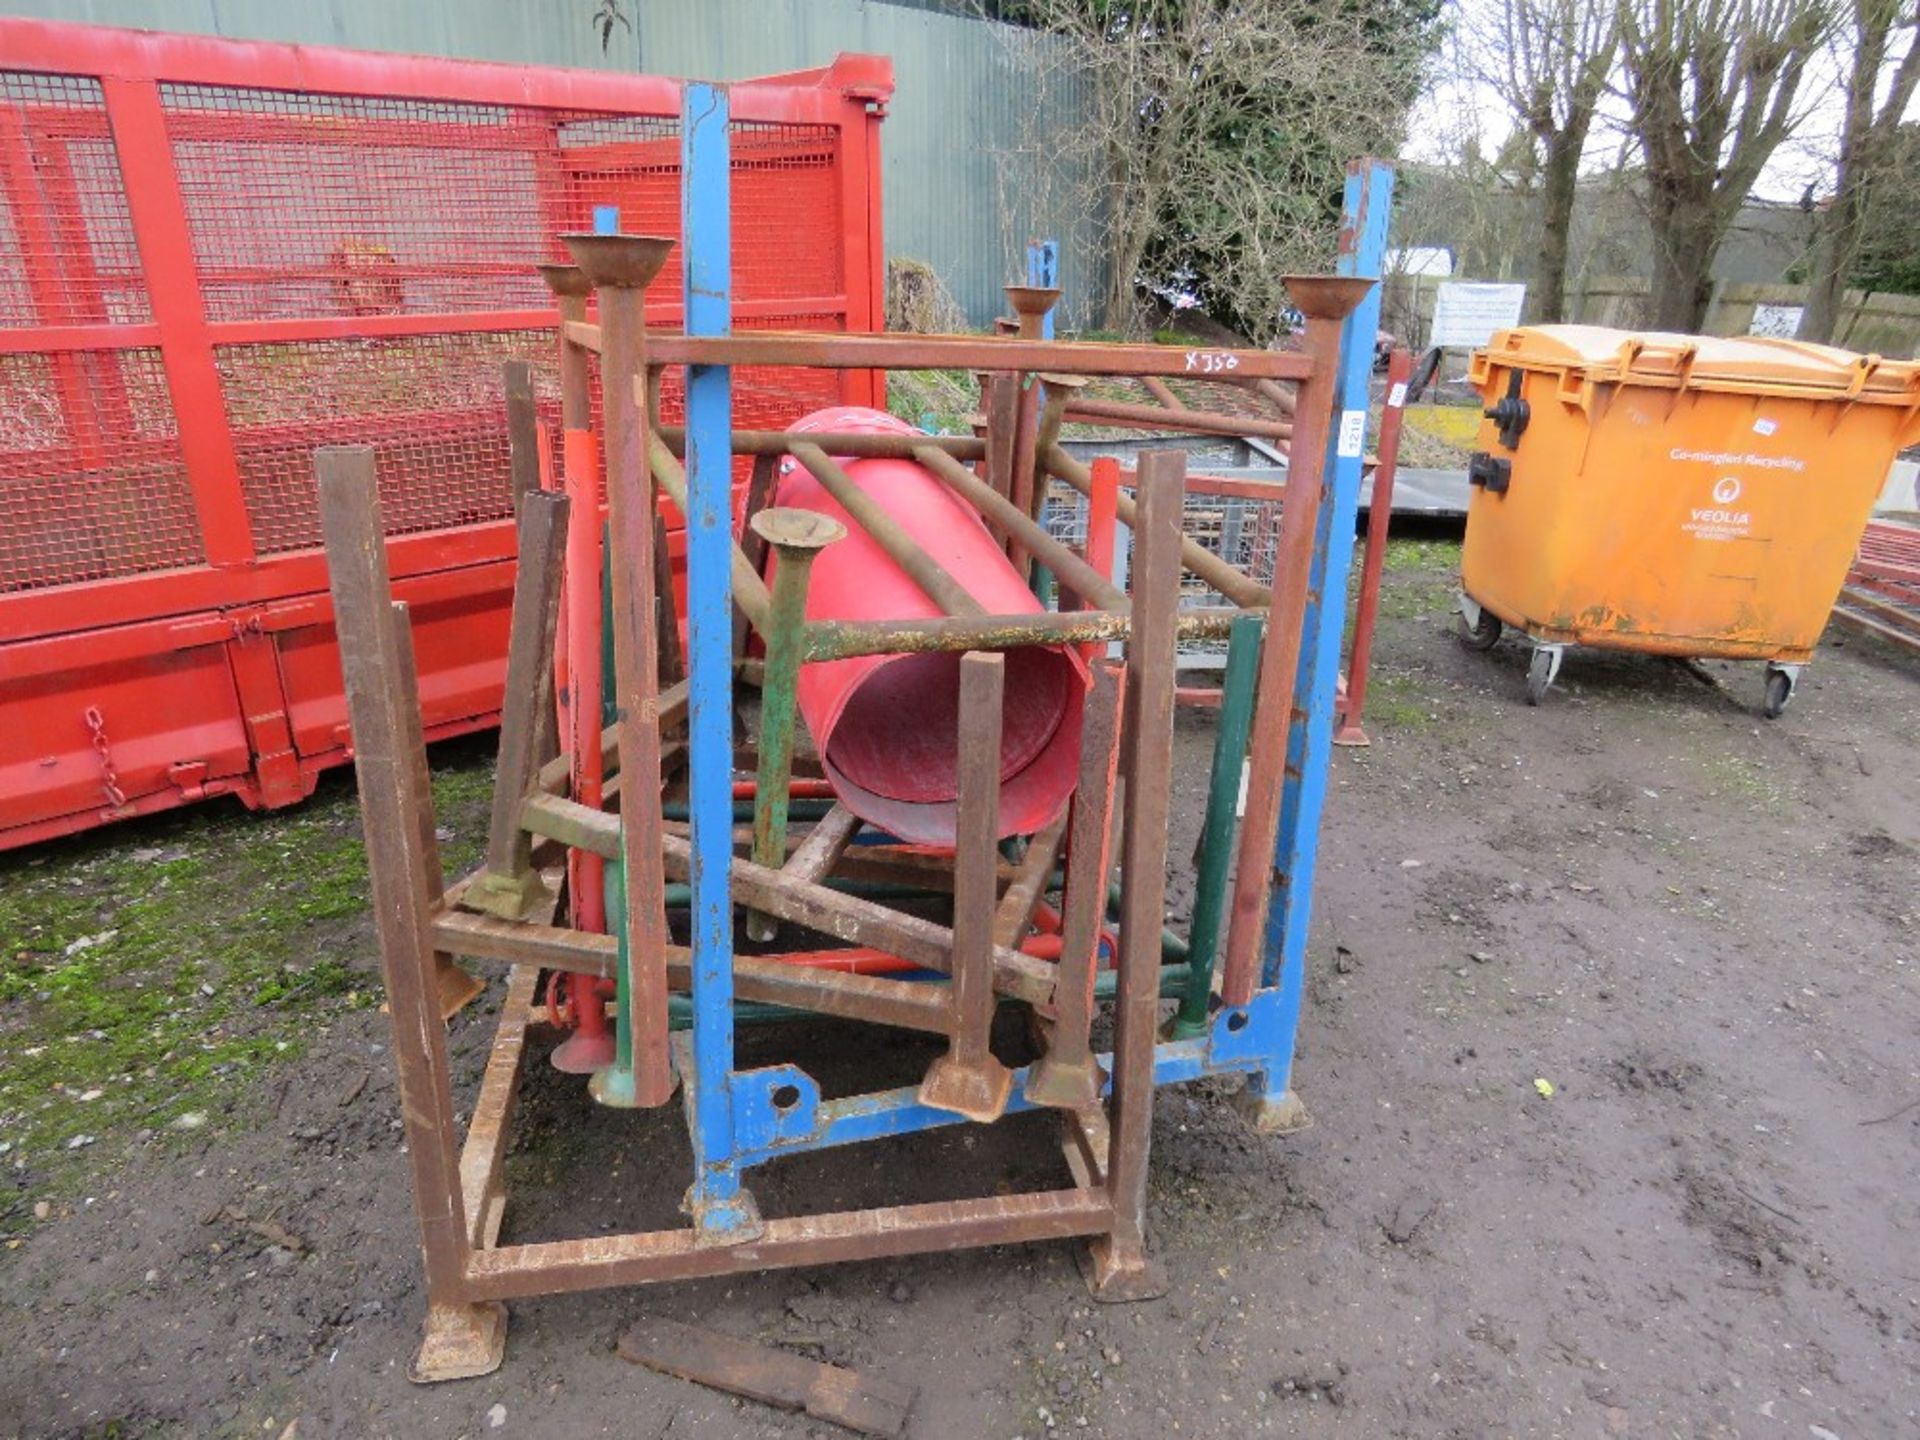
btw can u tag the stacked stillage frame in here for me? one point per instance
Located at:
(740, 1118)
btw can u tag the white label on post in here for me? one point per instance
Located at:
(1353, 434)
(1397, 396)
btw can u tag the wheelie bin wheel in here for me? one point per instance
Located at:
(1779, 692)
(1482, 632)
(1479, 627)
(1541, 670)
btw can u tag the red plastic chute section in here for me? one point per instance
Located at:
(887, 725)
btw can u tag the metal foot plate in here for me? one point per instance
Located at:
(457, 989)
(1121, 1275)
(1064, 1085)
(978, 1091)
(461, 1341)
(1285, 1114)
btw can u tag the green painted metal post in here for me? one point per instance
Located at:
(796, 536)
(1216, 835)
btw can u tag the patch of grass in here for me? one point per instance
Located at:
(1405, 553)
(151, 971)
(1397, 702)
(1420, 578)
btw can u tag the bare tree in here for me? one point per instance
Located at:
(1712, 87)
(1875, 33)
(1551, 60)
(1214, 135)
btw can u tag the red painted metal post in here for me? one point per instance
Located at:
(1103, 517)
(592, 1045)
(1379, 516)
(158, 212)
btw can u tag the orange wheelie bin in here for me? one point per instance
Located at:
(1673, 494)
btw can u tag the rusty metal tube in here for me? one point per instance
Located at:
(1325, 302)
(1073, 572)
(848, 639)
(620, 266)
(749, 590)
(1205, 422)
(928, 573)
(861, 444)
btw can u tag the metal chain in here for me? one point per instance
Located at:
(110, 779)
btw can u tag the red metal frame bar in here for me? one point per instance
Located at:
(155, 615)
(1351, 703)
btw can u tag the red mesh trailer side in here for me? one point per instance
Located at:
(216, 256)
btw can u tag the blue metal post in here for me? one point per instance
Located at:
(1363, 244)
(720, 1207)
(1043, 269)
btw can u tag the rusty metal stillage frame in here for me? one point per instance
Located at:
(742, 1118)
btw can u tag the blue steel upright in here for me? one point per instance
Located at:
(742, 1118)
(1043, 270)
(720, 1206)
(1363, 246)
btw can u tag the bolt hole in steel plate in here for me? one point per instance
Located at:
(1237, 1021)
(785, 1097)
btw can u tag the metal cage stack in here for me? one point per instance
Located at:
(583, 812)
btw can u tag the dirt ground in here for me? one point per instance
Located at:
(1611, 1045)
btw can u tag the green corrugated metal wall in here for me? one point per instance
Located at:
(961, 113)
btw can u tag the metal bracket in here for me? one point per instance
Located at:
(1241, 1035)
(773, 1107)
(1494, 475)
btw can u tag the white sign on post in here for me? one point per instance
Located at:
(1776, 321)
(1467, 312)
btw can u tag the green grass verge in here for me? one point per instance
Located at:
(149, 972)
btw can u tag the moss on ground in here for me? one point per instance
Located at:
(1397, 701)
(1421, 577)
(150, 971)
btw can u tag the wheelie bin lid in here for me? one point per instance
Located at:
(1750, 364)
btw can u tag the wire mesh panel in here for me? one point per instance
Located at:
(432, 406)
(216, 258)
(92, 483)
(1242, 530)
(307, 206)
(67, 252)
(328, 205)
